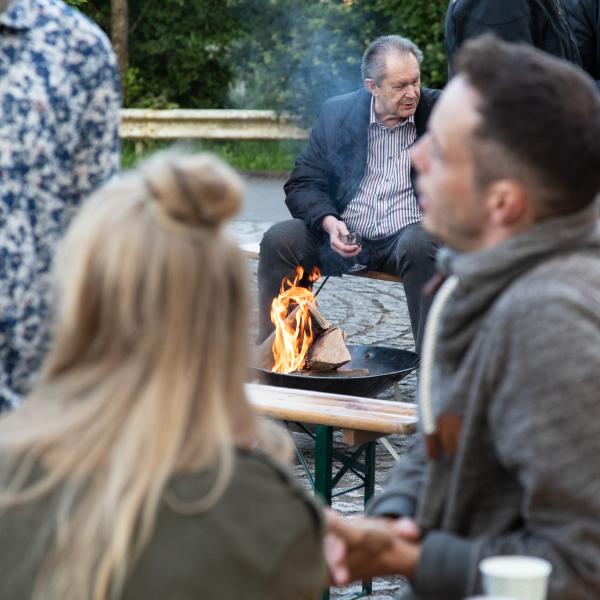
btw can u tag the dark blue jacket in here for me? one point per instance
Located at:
(331, 167)
(584, 17)
(540, 23)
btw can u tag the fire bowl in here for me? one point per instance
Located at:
(385, 366)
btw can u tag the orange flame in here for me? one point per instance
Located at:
(293, 336)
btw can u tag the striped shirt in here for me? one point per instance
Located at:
(385, 201)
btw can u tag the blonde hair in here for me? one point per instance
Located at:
(145, 378)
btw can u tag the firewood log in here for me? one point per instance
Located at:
(320, 323)
(263, 353)
(334, 373)
(328, 351)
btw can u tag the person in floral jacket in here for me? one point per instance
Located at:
(59, 100)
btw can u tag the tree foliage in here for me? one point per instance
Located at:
(423, 23)
(311, 50)
(177, 51)
(279, 54)
(307, 51)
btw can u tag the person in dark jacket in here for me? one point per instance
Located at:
(584, 18)
(355, 174)
(540, 23)
(508, 388)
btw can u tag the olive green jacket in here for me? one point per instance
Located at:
(261, 541)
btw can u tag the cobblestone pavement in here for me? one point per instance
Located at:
(371, 312)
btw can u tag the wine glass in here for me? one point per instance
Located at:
(352, 238)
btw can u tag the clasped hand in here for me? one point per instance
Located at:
(370, 546)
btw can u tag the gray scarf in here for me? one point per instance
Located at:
(483, 276)
(476, 280)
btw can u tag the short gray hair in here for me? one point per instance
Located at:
(373, 60)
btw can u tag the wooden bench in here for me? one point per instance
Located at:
(361, 420)
(252, 251)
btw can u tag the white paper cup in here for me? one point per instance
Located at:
(518, 577)
(488, 598)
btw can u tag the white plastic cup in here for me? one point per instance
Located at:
(517, 577)
(488, 598)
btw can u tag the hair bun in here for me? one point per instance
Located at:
(198, 190)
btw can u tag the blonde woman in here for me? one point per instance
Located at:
(133, 471)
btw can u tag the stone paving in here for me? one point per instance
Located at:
(371, 312)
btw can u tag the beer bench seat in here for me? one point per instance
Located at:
(361, 420)
(252, 251)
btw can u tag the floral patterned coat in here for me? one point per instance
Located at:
(59, 107)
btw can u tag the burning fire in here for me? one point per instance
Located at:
(294, 335)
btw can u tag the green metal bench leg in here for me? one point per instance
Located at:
(324, 468)
(369, 471)
(324, 477)
(367, 586)
(325, 482)
(324, 462)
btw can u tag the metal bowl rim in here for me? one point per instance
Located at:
(364, 378)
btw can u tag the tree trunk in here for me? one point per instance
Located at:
(119, 17)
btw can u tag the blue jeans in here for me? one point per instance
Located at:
(409, 254)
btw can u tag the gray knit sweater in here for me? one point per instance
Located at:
(518, 362)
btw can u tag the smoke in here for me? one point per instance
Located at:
(293, 55)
